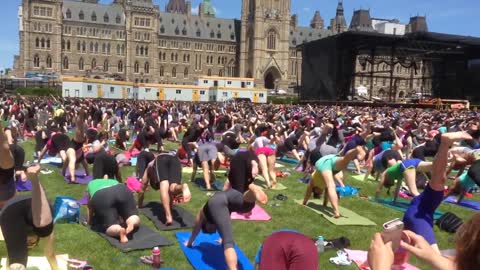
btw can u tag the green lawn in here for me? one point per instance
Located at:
(80, 243)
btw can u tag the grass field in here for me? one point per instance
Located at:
(80, 243)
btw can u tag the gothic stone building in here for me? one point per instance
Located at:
(134, 40)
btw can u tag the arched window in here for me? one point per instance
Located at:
(84, 47)
(81, 16)
(104, 48)
(37, 42)
(79, 46)
(136, 67)
(174, 72)
(65, 63)
(212, 34)
(176, 57)
(160, 56)
(146, 68)
(219, 34)
(146, 51)
(172, 57)
(220, 73)
(36, 61)
(43, 43)
(106, 18)
(118, 19)
(185, 72)
(188, 58)
(68, 14)
(137, 50)
(141, 50)
(105, 65)
(108, 48)
(48, 43)
(68, 45)
(209, 72)
(164, 56)
(49, 61)
(120, 66)
(161, 71)
(118, 49)
(123, 49)
(96, 47)
(199, 33)
(184, 58)
(94, 17)
(272, 40)
(94, 63)
(81, 64)
(63, 44)
(219, 60)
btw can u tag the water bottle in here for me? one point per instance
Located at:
(320, 244)
(156, 257)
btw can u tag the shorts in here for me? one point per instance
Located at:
(267, 151)
(377, 163)
(207, 152)
(318, 180)
(326, 163)
(410, 164)
(109, 204)
(168, 168)
(419, 216)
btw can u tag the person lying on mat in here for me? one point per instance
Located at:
(164, 173)
(419, 215)
(287, 250)
(105, 165)
(326, 169)
(22, 216)
(403, 169)
(465, 182)
(111, 204)
(381, 256)
(215, 215)
(205, 157)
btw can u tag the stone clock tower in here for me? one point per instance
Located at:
(264, 42)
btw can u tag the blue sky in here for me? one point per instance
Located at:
(447, 16)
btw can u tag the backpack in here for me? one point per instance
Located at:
(66, 210)
(449, 222)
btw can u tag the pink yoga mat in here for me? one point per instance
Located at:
(359, 257)
(257, 214)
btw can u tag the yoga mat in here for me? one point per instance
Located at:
(182, 219)
(263, 185)
(55, 161)
(361, 177)
(80, 178)
(359, 257)
(348, 217)
(142, 238)
(402, 206)
(200, 182)
(207, 253)
(351, 166)
(23, 186)
(473, 205)
(257, 214)
(288, 160)
(199, 170)
(84, 200)
(41, 263)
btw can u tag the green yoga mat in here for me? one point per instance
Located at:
(263, 185)
(361, 177)
(401, 206)
(348, 218)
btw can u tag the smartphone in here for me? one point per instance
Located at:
(392, 232)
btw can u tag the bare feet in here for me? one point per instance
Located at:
(186, 194)
(260, 195)
(123, 236)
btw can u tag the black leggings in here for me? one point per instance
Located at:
(111, 203)
(16, 222)
(218, 209)
(142, 162)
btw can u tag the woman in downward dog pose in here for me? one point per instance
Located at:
(324, 176)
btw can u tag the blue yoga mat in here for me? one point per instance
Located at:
(288, 160)
(473, 205)
(207, 254)
(200, 182)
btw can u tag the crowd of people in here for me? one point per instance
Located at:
(393, 144)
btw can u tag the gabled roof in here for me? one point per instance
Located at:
(302, 35)
(112, 11)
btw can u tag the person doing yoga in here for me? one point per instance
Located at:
(205, 157)
(23, 219)
(164, 173)
(324, 176)
(215, 215)
(403, 169)
(465, 182)
(111, 204)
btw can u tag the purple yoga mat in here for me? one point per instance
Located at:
(80, 178)
(464, 203)
(84, 200)
(23, 186)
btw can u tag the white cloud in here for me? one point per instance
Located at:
(217, 11)
(194, 10)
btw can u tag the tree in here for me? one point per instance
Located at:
(7, 71)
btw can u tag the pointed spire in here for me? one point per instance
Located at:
(340, 11)
(317, 21)
(177, 6)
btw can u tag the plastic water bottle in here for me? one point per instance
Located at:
(320, 244)
(156, 257)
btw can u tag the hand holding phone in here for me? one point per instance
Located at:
(392, 232)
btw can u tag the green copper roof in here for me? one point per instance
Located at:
(208, 9)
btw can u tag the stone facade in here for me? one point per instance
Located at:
(133, 40)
